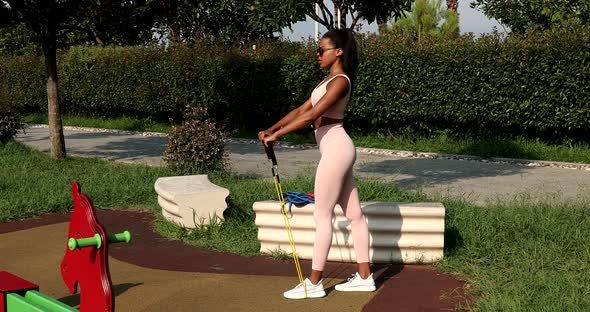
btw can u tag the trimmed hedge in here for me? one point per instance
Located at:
(536, 86)
(23, 84)
(533, 87)
(239, 89)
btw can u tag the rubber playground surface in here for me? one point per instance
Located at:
(153, 273)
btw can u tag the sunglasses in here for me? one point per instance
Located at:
(321, 50)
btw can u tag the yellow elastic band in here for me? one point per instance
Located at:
(279, 190)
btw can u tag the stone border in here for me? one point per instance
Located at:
(100, 130)
(363, 150)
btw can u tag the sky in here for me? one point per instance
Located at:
(470, 20)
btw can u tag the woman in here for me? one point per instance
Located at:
(334, 182)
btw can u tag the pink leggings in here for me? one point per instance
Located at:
(334, 184)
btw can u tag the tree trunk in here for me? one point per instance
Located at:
(453, 5)
(381, 24)
(342, 10)
(56, 135)
(173, 36)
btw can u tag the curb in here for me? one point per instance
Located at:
(100, 130)
(363, 150)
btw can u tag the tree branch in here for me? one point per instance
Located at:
(355, 19)
(325, 10)
(27, 14)
(323, 21)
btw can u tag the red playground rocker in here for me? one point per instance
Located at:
(85, 263)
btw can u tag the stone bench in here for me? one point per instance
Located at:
(399, 232)
(190, 200)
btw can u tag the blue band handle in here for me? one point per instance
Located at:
(298, 198)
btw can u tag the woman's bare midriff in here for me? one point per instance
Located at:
(324, 121)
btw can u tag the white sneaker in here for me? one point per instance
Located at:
(313, 291)
(356, 283)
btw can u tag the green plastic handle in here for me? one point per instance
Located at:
(124, 237)
(85, 242)
(95, 241)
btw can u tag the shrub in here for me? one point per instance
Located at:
(10, 124)
(197, 145)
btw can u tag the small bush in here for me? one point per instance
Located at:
(10, 124)
(197, 145)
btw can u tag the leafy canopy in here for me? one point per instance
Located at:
(284, 13)
(428, 18)
(72, 22)
(523, 15)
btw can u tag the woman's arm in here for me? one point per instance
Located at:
(285, 120)
(292, 115)
(335, 90)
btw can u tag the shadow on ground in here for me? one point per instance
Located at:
(74, 300)
(417, 172)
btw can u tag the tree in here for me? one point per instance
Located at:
(284, 13)
(450, 27)
(176, 17)
(425, 20)
(17, 40)
(59, 23)
(379, 11)
(230, 20)
(522, 15)
(453, 5)
(227, 21)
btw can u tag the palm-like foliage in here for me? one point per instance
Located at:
(425, 20)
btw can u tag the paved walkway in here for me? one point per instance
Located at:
(437, 175)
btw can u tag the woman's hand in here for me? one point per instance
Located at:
(269, 140)
(262, 134)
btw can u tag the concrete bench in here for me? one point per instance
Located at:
(190, 200)
(399, 232)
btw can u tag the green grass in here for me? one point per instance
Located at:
(439, 142)
(31, 184)
(121, 123)
(279, 254)
(522, 257)
(485, 148)
(517, 256)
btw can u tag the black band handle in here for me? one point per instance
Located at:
(271, 154)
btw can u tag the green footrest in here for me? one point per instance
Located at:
(34, 301)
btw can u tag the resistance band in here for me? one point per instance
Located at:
(275, 174)
(298, 198)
